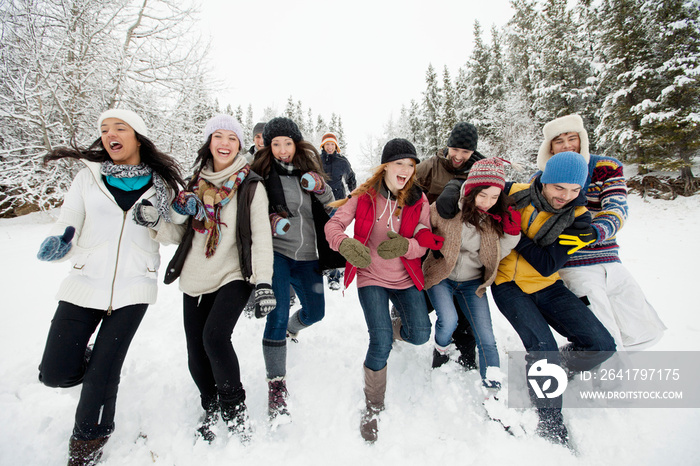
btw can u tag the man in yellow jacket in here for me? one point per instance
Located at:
(529, 292)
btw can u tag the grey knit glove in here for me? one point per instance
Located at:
(265, 300)
(146, 215)
(395, 246)
(355, 252)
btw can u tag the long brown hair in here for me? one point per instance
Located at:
(306, 159)
(373, 186)
(471, 214)
(164, 165)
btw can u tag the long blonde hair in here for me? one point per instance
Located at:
(373, 185)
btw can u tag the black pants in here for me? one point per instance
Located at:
(63, 363)
(209, 321)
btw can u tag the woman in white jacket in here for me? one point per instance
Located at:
(127, 184)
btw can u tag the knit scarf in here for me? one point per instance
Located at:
(213, 199)
(110, 169)
(560, 219)
(273, 186)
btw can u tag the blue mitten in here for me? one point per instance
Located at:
(186, 203)
(56, 247)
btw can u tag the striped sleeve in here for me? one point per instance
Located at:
(607, 198)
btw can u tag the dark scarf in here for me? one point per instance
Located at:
(109, 168)
(273, 186)
(560, 219)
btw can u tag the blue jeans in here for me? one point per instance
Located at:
(307, 281)
(409, 303)
(531, 315)
(475, 309)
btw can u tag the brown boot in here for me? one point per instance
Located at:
(375, 388)
(85, 452)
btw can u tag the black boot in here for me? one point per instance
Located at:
(551, 426)
(235, 414)
(439, 358)
(85, 452)
(465, 343)
(211, 416)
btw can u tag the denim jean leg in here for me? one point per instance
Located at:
(308, 284)
(476, 310)
(441, 297)
(591, 343)
(276, 324)
(375, 305)
(532, 328)
(415, 323)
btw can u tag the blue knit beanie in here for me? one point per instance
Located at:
(566, 167)
(226, 122)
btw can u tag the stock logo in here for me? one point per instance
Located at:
(540, 376)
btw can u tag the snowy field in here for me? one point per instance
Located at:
(432, 417)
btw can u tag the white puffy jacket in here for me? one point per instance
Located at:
(114, 261)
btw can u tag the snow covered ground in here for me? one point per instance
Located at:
(432, 417)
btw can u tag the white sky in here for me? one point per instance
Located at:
(362, 60)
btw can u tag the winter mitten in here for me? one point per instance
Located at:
(56, 247)
(146, 215)
(578, 235)
(395, 246)
(265, 300)
(511, 227)
(279, 224)
(249, 309)
(429, 240)
(355, 252)
(313, 182)
(186, 203)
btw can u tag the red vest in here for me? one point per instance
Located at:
(364, 222)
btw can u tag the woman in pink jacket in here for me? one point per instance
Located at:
(386, 257)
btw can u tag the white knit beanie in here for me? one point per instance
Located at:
(567, 124)
(226, 122)
(127, 116)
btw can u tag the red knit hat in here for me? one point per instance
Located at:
(330, 137)
(485, 172)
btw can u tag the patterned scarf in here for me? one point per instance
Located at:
(109, 168)
(208, 219)
(560, 219)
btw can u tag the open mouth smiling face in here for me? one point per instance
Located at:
(224, 146)
(398, 172)
(119, 140)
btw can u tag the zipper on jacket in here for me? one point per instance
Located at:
(116, 266)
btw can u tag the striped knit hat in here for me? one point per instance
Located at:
(485, 172)
(330, 137)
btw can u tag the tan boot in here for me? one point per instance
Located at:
(375, 388)
(85, 452)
